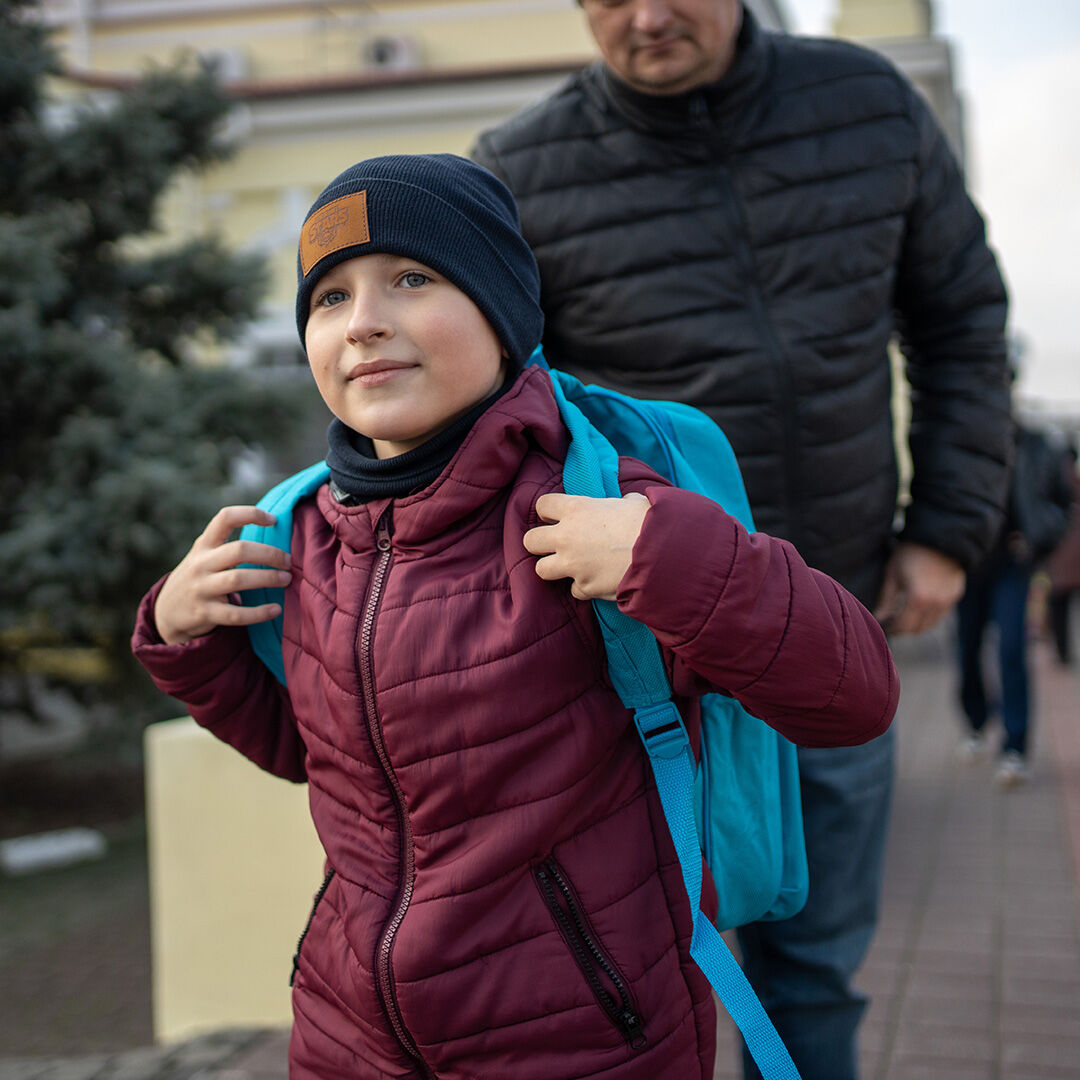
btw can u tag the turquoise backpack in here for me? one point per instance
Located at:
(740, 805)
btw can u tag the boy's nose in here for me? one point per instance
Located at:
(367, 322)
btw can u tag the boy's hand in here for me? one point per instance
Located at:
(589, 540)
(195, 597)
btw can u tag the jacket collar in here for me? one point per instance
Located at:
(525, 419)
(721, 105)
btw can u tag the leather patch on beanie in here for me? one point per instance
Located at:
(339, 224)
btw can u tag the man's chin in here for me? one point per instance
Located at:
(663, 81)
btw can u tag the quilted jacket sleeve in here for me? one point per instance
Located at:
(951, 309)
(742, 613)
(226, 688)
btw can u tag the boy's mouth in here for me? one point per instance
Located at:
(367, 369)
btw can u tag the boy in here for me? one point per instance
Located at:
(502, 897)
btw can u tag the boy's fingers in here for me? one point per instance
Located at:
(249, 551)
(540, 540)
(238, 552)
(550, 569)
(230, 518)
(553, 506)
(240, 579)
(234, 615)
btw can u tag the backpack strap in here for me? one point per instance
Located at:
(637, 672)
(279, 501)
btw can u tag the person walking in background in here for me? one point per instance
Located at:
(742, 221)
(997, 591)
(1063, 567)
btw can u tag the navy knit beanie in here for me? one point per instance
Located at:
(445, 211)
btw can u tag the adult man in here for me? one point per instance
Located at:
(742, 220)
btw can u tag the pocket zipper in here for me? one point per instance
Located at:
(591, 958)
(307, 926)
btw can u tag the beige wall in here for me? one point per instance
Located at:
(234, 865)
(882, 18)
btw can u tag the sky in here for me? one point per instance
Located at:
(1017, 68)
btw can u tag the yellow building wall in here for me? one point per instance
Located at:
(243, 198)
(251, 200)
(329, 40)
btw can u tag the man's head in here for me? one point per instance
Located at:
(665, 46)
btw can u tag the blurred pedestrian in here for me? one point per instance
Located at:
(743, 221)
(997, 592)
(1063, 568)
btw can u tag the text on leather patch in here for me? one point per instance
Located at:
(339, 224)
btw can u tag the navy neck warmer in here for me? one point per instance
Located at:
(358, 476)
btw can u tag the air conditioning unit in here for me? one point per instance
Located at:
(391, 52)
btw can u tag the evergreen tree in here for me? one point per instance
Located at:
(117, 448)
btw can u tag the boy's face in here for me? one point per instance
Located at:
(397, 351)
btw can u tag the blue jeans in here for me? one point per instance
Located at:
(802, 968)
(998, 594)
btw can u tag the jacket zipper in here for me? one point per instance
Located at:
(699, 111)
(383, 972)
(310, 919)
(745, 257)
(590, 957)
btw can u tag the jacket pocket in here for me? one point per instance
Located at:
(609, 986)
(310, 919)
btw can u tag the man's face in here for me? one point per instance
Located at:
(665, 46)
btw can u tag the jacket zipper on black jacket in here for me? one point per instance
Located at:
(744, 256)
(310, 919)
(605, 980)
(384, 976)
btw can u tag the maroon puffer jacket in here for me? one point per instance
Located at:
(505, 899)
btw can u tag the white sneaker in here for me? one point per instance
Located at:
(1012, 770)
(973, 749)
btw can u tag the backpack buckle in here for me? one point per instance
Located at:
(662, 730)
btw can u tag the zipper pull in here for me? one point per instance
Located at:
(382, 532)
(634, 1032)
(699, 109)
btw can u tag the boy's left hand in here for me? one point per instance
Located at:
(588, 540)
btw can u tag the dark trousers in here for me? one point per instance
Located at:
(1057, 609)
(802, 967)
(999, 595)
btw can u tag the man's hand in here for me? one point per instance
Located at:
(921, 587)
(195, 597)
(588, 540)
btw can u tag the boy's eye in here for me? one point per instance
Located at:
(414, 279)
(331, 297)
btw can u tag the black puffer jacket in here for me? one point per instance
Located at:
(751, 248)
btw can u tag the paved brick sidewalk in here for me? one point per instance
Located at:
(209, 1055)
(975, 972)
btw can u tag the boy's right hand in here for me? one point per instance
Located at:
(195, 597)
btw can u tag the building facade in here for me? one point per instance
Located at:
(319, 86)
